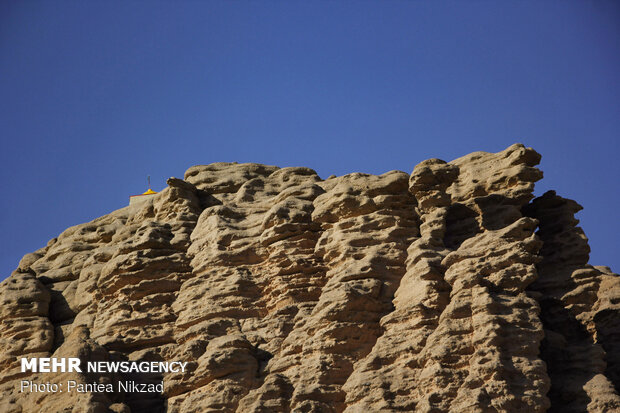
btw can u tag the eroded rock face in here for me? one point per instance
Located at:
(446, 290)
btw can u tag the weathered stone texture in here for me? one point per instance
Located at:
(446, 290)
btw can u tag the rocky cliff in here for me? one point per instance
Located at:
(447, 290)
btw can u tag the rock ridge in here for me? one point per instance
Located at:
(450, 289)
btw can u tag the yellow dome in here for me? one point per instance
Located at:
(149, 192)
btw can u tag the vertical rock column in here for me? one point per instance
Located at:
(580, 312)
(464, 335)
(386, 379)
(485, 349)
(47, 284)
(483, 355)
(26, 332)
(140, 282)
(293, 276)
(254, 270)
(367, 222)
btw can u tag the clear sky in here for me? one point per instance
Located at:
(96, 95)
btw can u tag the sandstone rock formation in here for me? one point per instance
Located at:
(447, 290)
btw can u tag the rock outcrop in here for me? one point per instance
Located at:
(447, 290)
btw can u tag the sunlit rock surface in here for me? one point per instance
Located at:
(449, 289)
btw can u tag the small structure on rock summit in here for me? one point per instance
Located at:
(138, 199)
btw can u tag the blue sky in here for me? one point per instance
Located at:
(96, 95)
